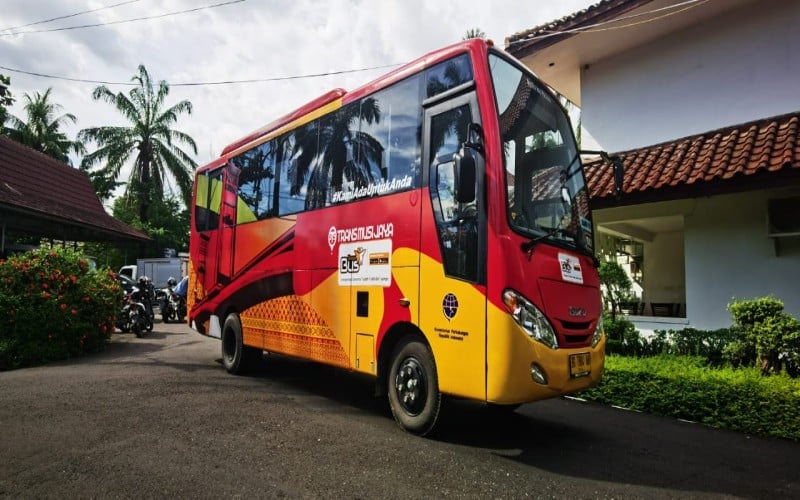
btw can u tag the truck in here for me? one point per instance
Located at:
(159, 270)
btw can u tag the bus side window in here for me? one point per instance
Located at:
(208, 200)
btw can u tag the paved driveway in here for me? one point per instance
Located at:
(159, 417)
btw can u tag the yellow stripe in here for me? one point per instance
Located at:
(317, 113)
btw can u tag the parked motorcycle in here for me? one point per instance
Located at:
(135, 316)
(179, 297)
(168, 302)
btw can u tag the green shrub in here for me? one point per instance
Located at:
(767, 336)
(710, 344)
(622, 337)
(616, 285)
(52, 306)
(682, 387)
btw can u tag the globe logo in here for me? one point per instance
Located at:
(450, 306)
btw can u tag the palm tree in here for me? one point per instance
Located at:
(149, 140)
(6, 100)
(42, 128)
(474, 33)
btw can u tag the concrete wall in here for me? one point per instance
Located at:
(663, 272)
(728, 254)
(736, 68)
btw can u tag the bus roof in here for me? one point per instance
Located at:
(345, 97)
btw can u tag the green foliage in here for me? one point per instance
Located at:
(42, 127)
(766, 336)
(474, 33)
(149, 139)
(53, 306)
(622, 337)
(747, 313)
(683, 387)
(6, 100)
(707, 344)
(616, 285)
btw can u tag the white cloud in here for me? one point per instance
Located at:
(248, 40)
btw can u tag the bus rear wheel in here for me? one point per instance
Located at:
(237, 358)
(413, 387)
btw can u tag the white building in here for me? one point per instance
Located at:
(701, 99)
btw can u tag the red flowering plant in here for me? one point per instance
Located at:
(53, 306)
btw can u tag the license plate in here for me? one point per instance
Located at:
(580, 364)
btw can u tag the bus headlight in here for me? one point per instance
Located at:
(598, 332)
(530, 318)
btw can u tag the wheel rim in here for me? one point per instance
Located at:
(411, 385)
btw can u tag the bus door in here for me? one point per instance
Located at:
(453, 283)
(228, 224)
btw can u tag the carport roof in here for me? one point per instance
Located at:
(754, 155)
(44, 197)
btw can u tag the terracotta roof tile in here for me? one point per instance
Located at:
(35, 184)
(770, 144)
(524, 42)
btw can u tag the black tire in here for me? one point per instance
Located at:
(136, 326)
(413, 387)
(237, 358)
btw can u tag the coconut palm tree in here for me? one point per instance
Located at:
(149, 140)
(474, 33)
(6, 100)
(41, 130)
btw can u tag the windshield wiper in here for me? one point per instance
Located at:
(528, 246)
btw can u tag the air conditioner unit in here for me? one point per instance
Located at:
(783, 217)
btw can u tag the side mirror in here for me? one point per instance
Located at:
(466, 166)
(616, 164)
(464, 174)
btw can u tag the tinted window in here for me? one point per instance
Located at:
(207, 200)
(447, 75)
(366, 148)
(256, 183)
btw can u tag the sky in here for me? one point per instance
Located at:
(234, 40)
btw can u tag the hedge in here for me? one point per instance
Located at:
(683, 387)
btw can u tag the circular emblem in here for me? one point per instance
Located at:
(450, 306)
(332, 237)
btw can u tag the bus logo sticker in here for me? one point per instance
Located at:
(332, 237)
(450, 306)
(570, 268)
(365, 263)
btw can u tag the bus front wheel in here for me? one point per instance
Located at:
(413, 387)
(237, 357)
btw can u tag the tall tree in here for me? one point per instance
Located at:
(6, 100)
(41, 130)
(474, 33)
(149, 140)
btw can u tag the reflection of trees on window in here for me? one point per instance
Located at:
(447, 75)
(448, 131)
(398, 131)
(325, 154)
(256, 180)
(457, 223)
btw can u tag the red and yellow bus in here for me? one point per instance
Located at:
(430, 229)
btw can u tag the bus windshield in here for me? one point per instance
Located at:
(546, 192)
